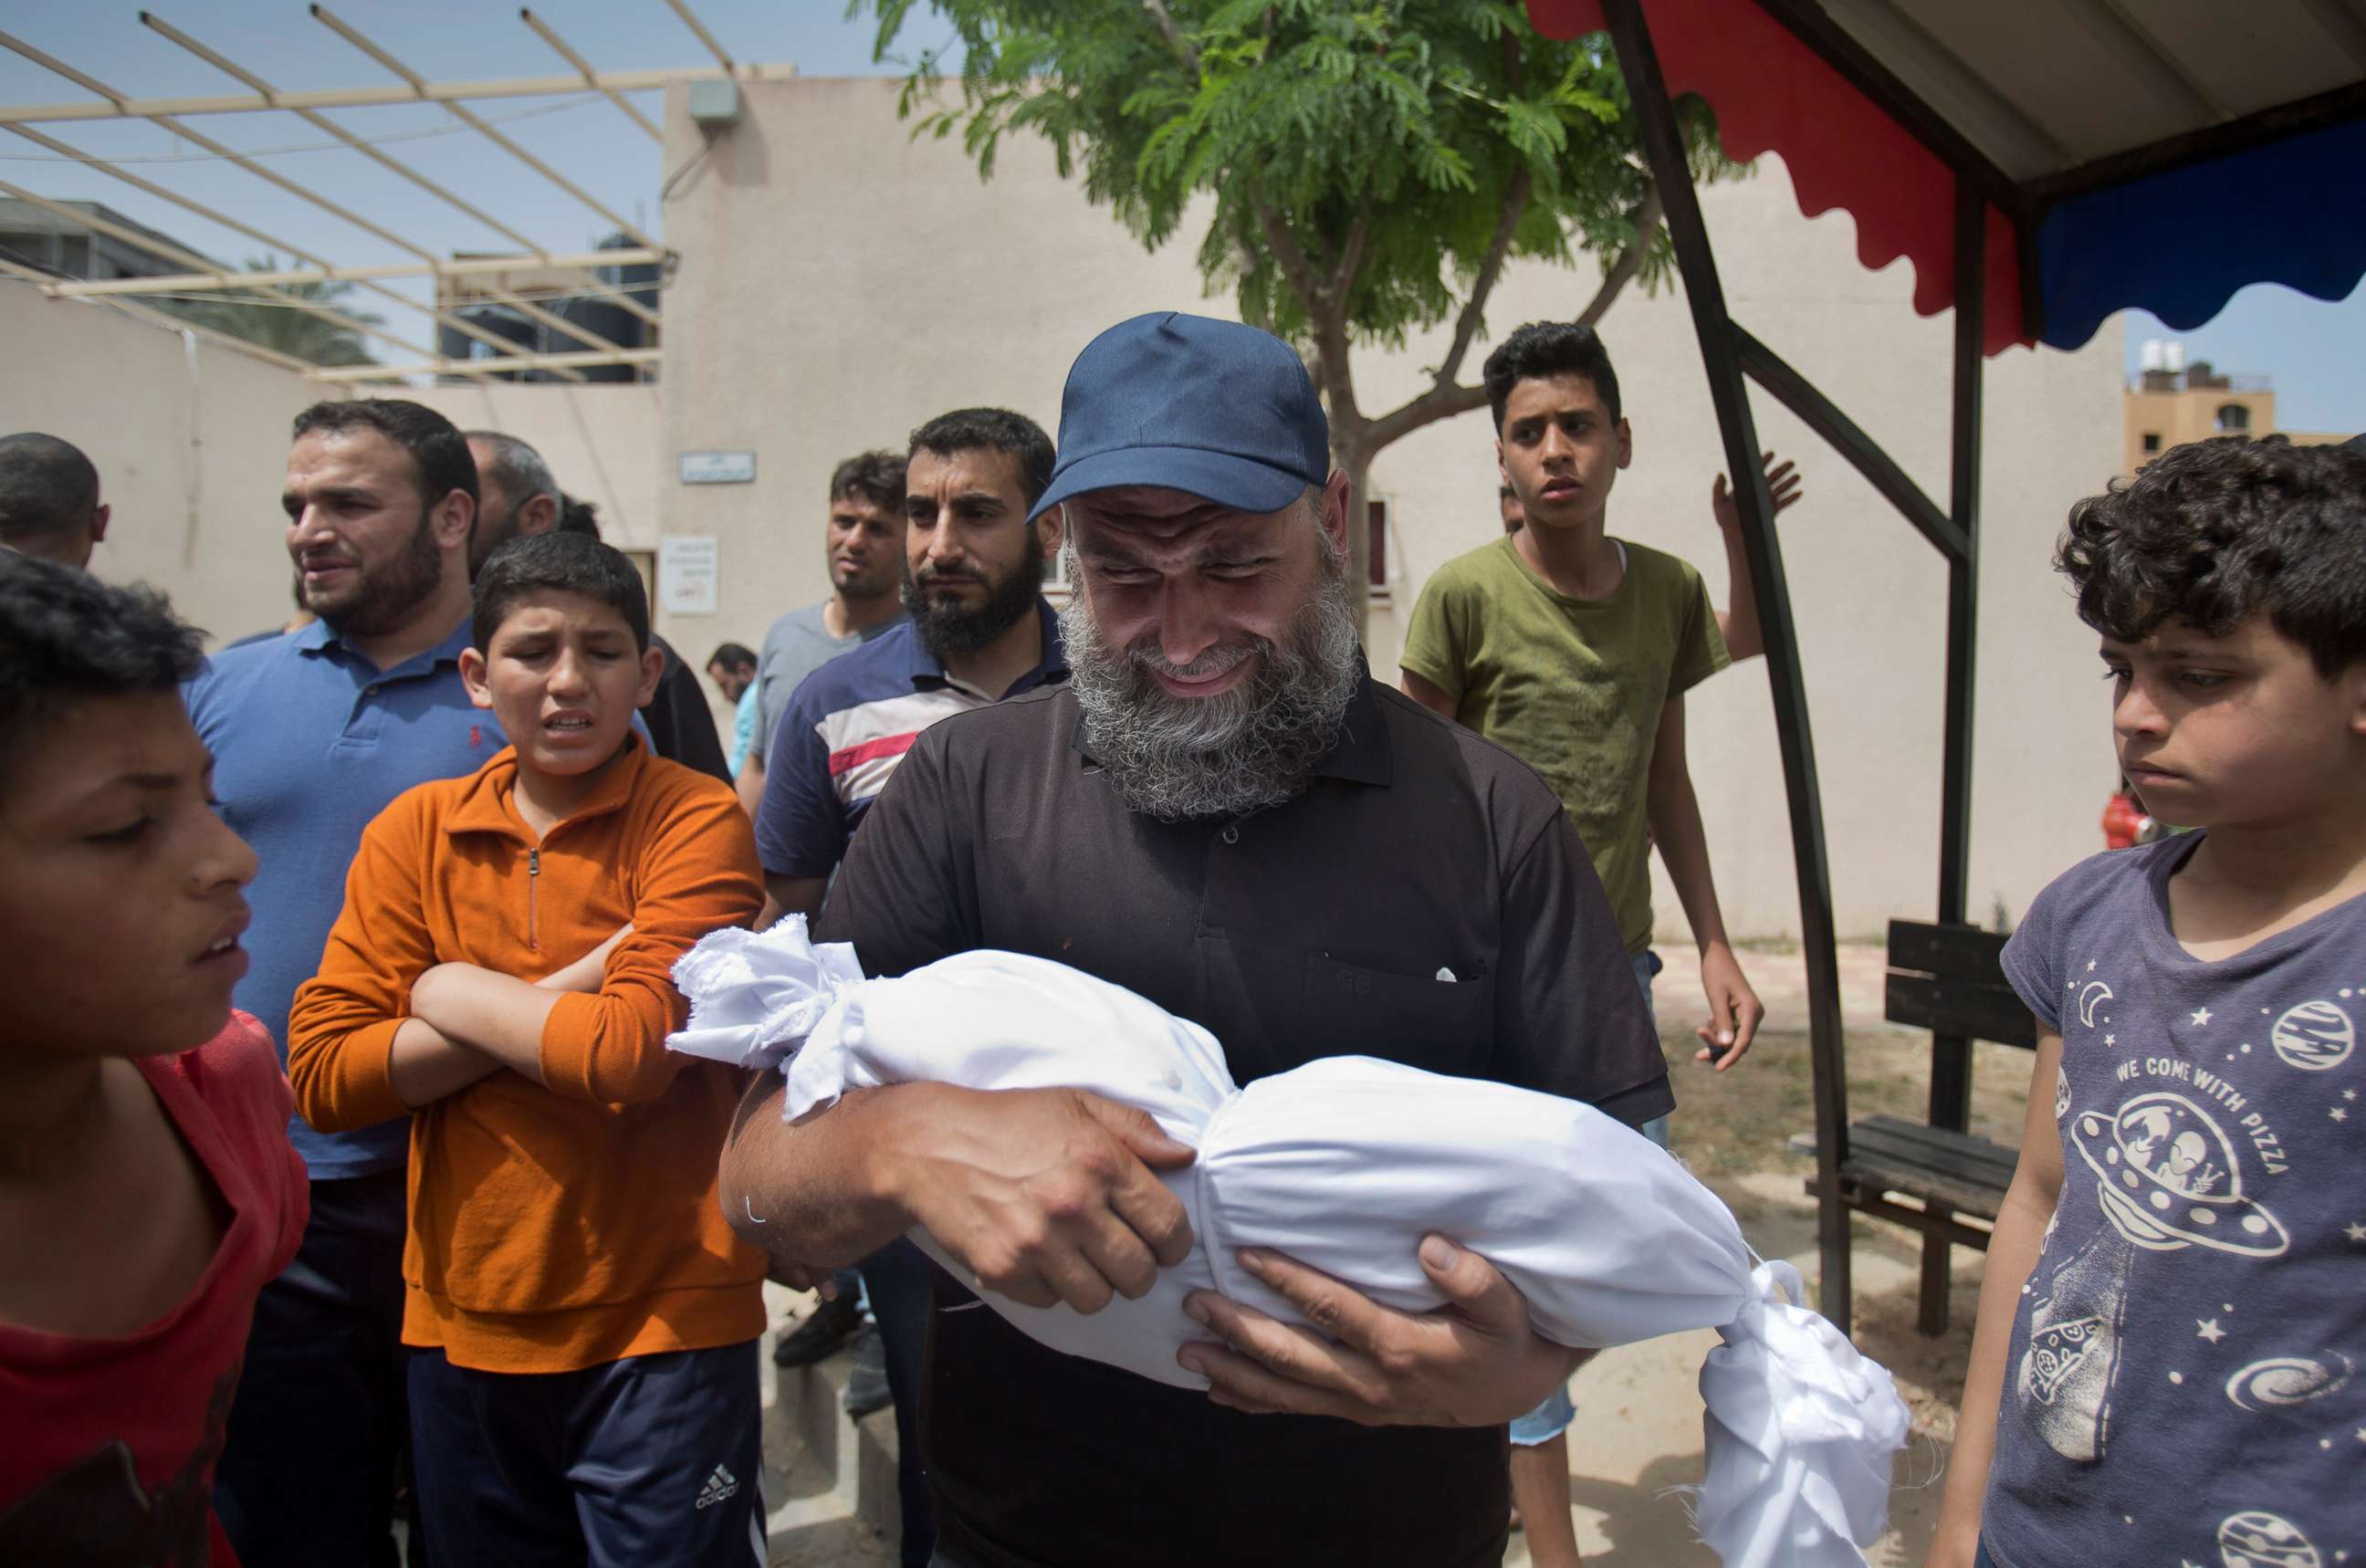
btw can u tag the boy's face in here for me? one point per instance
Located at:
(1560, 450)
(562, 675)
(120, 902)
(2236, 730)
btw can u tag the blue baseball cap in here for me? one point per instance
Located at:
(1214, 409)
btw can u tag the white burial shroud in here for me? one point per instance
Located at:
(1346, 1164)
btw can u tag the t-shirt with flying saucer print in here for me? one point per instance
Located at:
(2187, 1377)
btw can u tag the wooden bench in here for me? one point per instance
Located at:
(1934, 1176)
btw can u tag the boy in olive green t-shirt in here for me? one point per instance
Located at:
(1574, 651)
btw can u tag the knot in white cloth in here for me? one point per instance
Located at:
(755, 995)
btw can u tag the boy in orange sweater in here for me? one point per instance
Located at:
(584, 1380)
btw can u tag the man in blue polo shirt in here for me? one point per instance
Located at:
(978, 632)
(313, 734)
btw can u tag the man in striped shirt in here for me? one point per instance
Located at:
(979, 631)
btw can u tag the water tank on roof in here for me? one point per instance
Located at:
(502, 322)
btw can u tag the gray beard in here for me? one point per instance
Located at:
(1253, 747)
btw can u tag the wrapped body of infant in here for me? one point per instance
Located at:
(1344, 1164)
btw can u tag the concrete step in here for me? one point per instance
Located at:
(830, 1483)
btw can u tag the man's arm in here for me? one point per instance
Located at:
(1423, 690)
(1672, 812)
(2020, 1236)
(801, 832)
(1433, 668)
(749, 785)
(785, 895)
(1740, 621)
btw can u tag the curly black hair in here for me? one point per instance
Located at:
(2215, 531)
(67, 639)
(1541, 350)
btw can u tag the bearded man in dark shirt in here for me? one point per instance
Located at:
(1222, 811)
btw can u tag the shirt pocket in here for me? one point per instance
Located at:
(1422, 1021)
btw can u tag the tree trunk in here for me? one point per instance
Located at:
(1355, 460)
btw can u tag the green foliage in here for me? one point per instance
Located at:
(262, 320)
(1396, 132)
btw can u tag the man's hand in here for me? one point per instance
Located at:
(1473, 1362)
(589, 972)
(1782, 488)
(1734, 1010)
(1047, 1195)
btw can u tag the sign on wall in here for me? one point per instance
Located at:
(686, 574)
(716, 468)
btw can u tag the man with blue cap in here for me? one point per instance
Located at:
(1222, 812)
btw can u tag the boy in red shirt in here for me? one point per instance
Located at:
(583, 1382)
(147, 1187)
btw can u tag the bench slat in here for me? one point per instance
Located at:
(1957, 952)
(1983, 1011)
(1936, 1142)
(1965, 1173)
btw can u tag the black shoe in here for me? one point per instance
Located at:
(830, 1324)
(866, 1385)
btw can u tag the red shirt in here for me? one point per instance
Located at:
(108, 1446)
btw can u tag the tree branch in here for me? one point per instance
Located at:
(1466, 326)
(1289, 257)
(1438, 403)
(1351, 258)
(1173, 35)
(1630, 260)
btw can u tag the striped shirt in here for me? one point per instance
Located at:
(845, 729)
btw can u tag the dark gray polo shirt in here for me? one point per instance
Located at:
(1317, 929)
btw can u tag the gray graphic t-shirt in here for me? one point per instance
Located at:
(2187, 1380)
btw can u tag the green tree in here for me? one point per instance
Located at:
(1369, 166)
(265, 318)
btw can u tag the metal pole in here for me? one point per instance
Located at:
(1951, 1054)
(1721, 358)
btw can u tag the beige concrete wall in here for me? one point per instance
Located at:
(839, 283)
(190, 449)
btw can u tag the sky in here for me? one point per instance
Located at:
(2310, 349)
(583, 136)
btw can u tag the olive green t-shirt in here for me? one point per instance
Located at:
(1574, 687)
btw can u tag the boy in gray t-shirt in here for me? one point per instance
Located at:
(2171, 1362)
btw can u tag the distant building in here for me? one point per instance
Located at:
(36, 236)
(478, 300)
(2172, 403)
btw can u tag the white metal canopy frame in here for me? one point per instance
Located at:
(206, 276)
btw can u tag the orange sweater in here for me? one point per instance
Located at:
(551, 1228)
